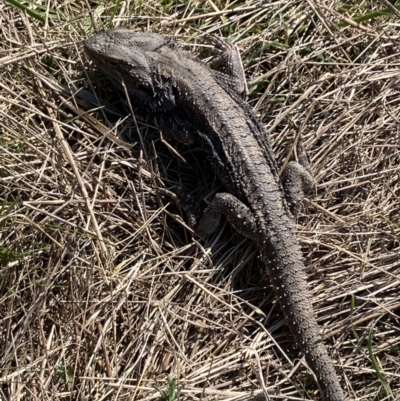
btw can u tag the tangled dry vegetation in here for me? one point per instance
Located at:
(103, 290)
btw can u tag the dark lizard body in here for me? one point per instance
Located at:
(190, 102)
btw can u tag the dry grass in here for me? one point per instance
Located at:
(103, 290)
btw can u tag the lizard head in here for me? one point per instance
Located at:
(124, 56)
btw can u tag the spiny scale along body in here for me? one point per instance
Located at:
(197, 104)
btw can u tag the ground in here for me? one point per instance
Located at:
(105, 293)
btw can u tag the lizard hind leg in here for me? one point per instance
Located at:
(236, 212)
(297, 179)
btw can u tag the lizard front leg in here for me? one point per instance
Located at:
(229, 58)
(177, 126)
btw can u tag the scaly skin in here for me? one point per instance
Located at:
(189, 102)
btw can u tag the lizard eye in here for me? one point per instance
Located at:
(113, 63)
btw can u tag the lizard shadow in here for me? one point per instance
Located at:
(186, 167)
(180, 167)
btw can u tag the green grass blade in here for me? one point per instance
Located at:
(30, 12)
(375, 362)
